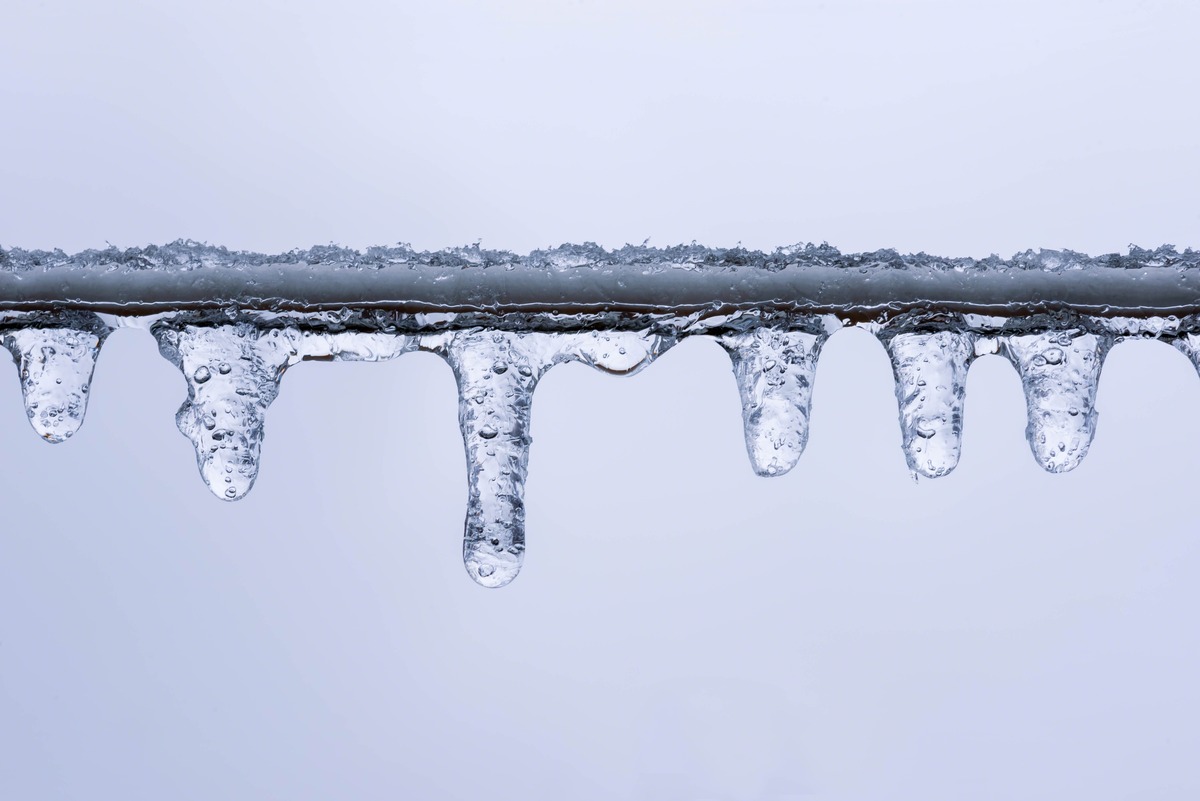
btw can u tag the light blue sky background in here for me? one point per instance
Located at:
(682, 630)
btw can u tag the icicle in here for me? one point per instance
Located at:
(56, 367)
(232, 373)
(774, 370)
(1060, 371)
(931, 382)
(497, 372)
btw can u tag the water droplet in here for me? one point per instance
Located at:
(201, 375)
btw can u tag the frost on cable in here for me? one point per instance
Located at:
(234, 323)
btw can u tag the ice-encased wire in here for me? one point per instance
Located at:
(233, 323)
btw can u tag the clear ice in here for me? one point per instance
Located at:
(497, 372)
(1060, 371)
(56, 367)
(931, 383)
(233, 374)
(233, 323)
(774, 368)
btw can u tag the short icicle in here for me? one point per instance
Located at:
(497, 372)
(232, 374)
(56, 367)
(931, 383)
(775, 368)
(1060, 371)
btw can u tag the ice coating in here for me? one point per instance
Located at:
(1060, 371)
(931, 382)
(233, 374)
(497, 372)
(774, 369)
(234, 322)
(803, 278)
(56, 367)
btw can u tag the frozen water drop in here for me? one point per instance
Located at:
(637, 349)
(201, 374)
(487, 432)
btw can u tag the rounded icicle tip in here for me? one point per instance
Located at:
(490, 567)
(230, 471)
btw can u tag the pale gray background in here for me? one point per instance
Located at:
(682, 629)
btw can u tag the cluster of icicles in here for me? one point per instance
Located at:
(233, 371)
